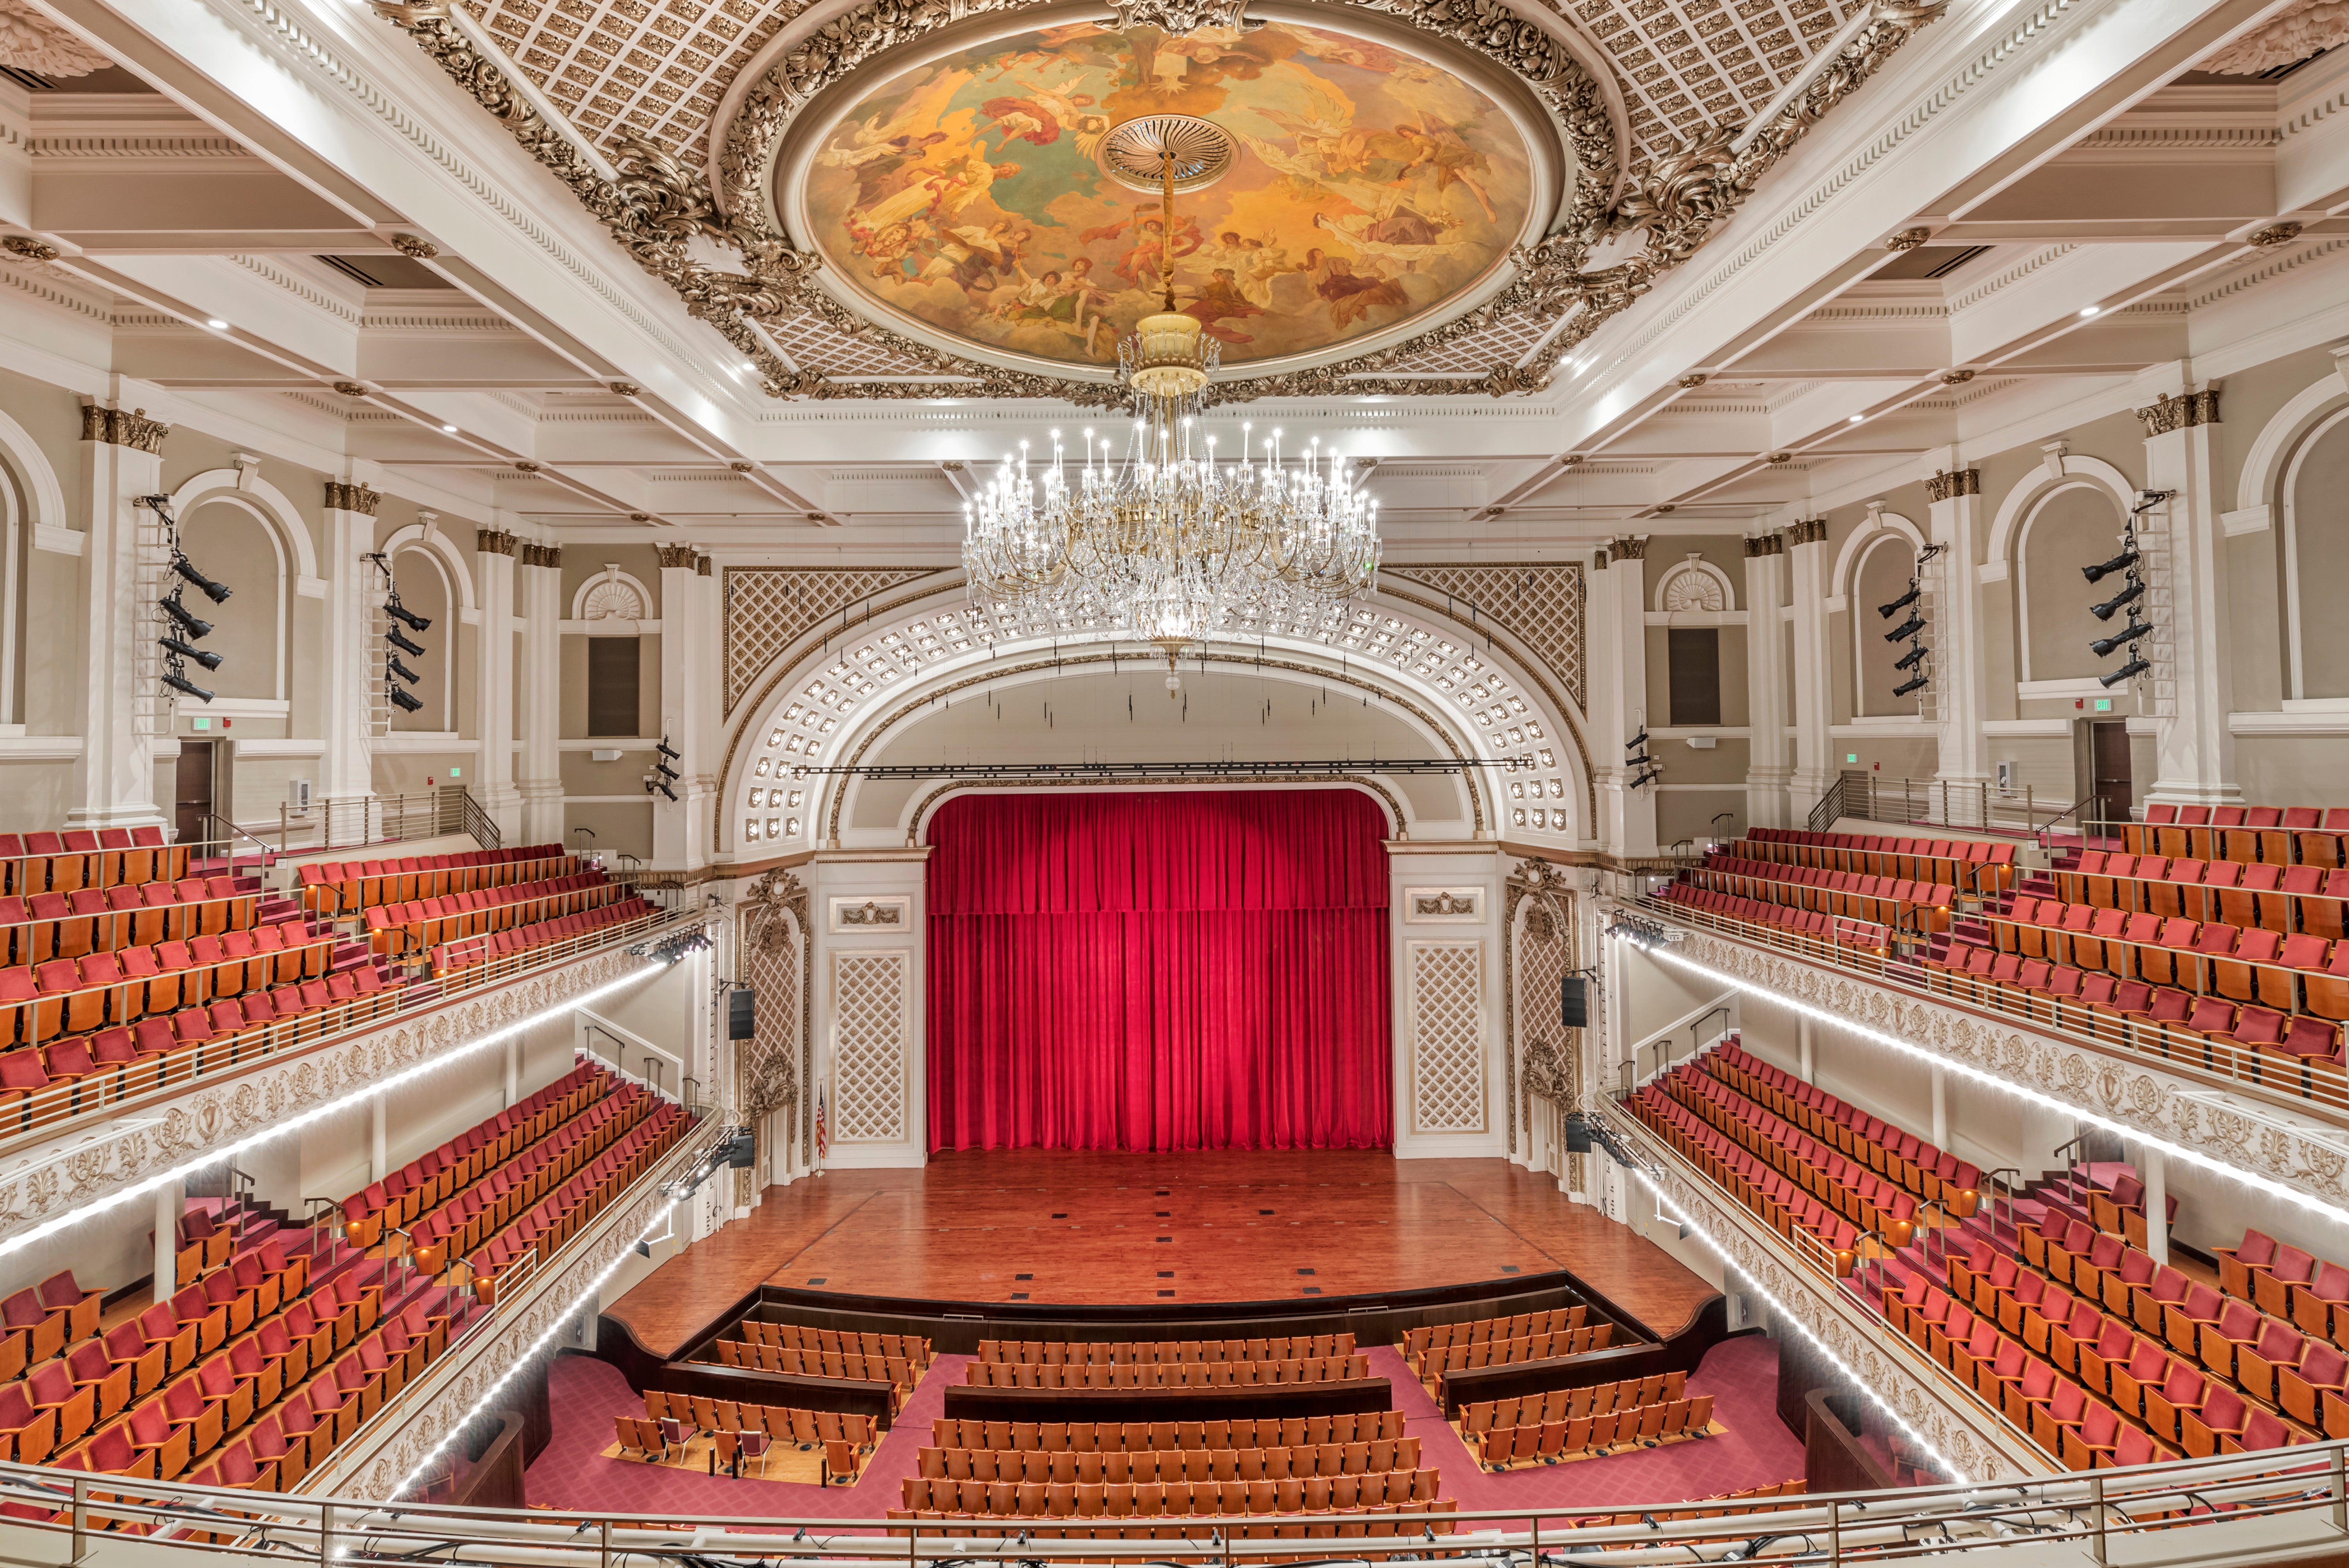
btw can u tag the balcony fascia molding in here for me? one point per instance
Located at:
(2247, 1135)
(1979, 1445)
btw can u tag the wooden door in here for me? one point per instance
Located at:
(191, 795)
(2108, 746)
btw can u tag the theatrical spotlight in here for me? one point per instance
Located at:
(662, 746)
(209, 660)
(198, 630)
(2121, 562)
(392, 665)
(1902, 602)
(1912, 658)
(404, 645)
(1906, 629)
(2105, 647)
(178, 682)
(218, 592)
(661, 784)
(1638, 740)
(407, 702)
(1915, 682)
(406, 616)
(2103, 612)
(2129, 671)
(669, 949)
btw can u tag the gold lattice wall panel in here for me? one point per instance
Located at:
(1545, 953)
(769, 608)
(1447, 1036)
(614, 66)
(1685, 64)
(1539, 604)
(868, 1048)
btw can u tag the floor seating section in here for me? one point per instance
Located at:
(1565, 1404)
(2265, 835)
(1159, 1352)
(1381, 1455)
(1542, 1345)
(802, 1429)
(1358, 1497)
(1644, 1426)
(2103, 1356)
(1168, 1375)
(1162, 1437)
(1425, 1347)
(849, 1358)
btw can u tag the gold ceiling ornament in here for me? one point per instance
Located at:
(658, 206)
(1908, 239)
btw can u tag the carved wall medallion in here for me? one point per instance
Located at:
(865, 914)
(1443, 906)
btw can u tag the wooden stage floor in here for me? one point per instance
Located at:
(1153, 1230)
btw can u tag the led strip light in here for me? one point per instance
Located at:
(121, 1196)
(2265, 1185)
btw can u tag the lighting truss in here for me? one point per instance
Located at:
(1218, 769)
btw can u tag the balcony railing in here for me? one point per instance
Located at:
(1979, 806)
(2280, 1081)
(117, 1092)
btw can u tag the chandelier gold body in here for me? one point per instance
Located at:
(1171, 541)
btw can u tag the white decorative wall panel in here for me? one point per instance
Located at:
(869, 1052)
(1447, 1036)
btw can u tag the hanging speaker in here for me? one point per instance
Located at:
(1577, 1134)
(1574, 1001)
(738, 1003)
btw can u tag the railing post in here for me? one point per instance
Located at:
(325, 1533)
(2096, 1508)
(2341, 1489)
(1834, 1531)
(80, 1517)
(605, 1533)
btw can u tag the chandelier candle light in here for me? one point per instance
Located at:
(1171, 541)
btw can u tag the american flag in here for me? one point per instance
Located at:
(823, 1135)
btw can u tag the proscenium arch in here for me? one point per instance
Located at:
(1390, 804)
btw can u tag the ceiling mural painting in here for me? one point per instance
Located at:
(968, 195)
(796, 310)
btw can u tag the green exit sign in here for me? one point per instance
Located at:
(2104, 704)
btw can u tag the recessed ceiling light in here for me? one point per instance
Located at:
(217, 325)
(2088, 310)
(1855, 419)
(448, 429)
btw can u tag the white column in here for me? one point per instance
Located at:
(1940, 1109)
(2157, 1205)
(170, 1200)
(681, 828)
(1808, 565)
(1806, 1068)
(1627, 816)
(493, 708)
(346, 771)
(120, 717)
(1960, 671)
(2192, 682)
(1769, 754)
(378, 1162)
(538, 723)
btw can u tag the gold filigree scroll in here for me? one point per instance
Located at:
(780, 1055)
(658, 206)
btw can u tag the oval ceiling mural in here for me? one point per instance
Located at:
(1370, 187)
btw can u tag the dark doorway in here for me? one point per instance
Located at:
(2108, 768)
(191, 795)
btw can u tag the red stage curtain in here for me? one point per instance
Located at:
(1159, 971)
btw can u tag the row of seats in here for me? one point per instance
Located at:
(1852, 1186)
(40, 1321)
(1933, 1174)
(2139, 1015)
(1814, 924)
(1983, 868)
(2283, 1281)
(453, 958)
(1160, 1352)
(1170, 1464)
(794, 1337)
(1565, 1404)
(2296, 972)
(1509, 1352)
(1161, 1436)
(1858, 895)
(1417, 1342)
(562, 1131)
(619, 1156)
(122, 985)
(1397, 1490)
(853, 1365)
(1176, 1375)
(1772, 1194)
(2277, 835)
(101, 920)
(2282, 898)
(1643, 1425)
(785, 1425)
(1208, 1531)
(414, 928)
(345, 887)
(107, 857)
(435, 1176)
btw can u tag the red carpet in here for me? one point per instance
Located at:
(1742, 1375)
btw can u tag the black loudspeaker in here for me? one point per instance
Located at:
(737, 1012)
(742, 1149)
(1577, 1134)
(1574, 1001)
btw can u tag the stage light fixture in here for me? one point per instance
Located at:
(178, 682)
(196, 629)
(405, 701)
(2129, 671)
(1902, 602)
(406, 616)
(209, 660)
(1906, 629)
(2105, 647)
(1916, 682)
(661, 784)
(393, 666)
(2103, 612)
(1909, 660)
(218, 592)
(662, 746)
(403, 643)
(1638, 740)
(2121, 562)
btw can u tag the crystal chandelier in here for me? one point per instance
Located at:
(1171, 540)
